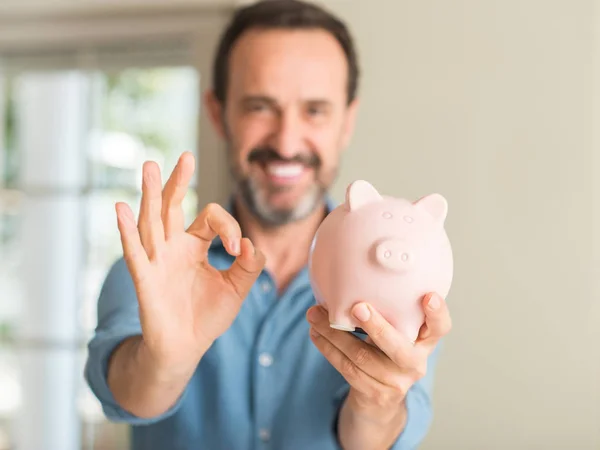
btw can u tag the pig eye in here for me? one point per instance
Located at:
(387, 215)
(408, 219)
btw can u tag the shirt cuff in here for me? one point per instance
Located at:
(100, 349)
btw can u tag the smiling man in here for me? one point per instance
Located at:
(205, 341)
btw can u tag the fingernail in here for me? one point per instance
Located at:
(362, 313)
(124, 214)
(235, 245)
(434, 302)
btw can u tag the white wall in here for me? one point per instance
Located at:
(490, 103)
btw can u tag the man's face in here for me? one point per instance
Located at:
(286, 120)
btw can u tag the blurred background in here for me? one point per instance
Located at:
(491, 103)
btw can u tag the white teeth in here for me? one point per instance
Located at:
(285, 170)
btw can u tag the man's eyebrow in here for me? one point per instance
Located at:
(271, 101)
(319, 101)
(259, 99)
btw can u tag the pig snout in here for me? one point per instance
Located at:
(393, 254)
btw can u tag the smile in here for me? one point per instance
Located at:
(284, 172)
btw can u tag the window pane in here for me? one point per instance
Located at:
(9, 163)
(135, 115)
(141, 114)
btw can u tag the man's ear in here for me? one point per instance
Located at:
(215, 112)
(350, 122)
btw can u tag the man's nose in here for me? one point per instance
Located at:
(289, 136)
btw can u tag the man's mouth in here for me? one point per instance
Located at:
(287, 171)
(280, 171)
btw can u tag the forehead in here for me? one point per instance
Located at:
(287, 64)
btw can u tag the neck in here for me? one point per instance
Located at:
(285, 247)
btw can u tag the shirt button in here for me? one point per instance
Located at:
(264, 434)
(266, 286)
(265, 359)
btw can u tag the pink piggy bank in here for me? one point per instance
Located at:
(387, 251)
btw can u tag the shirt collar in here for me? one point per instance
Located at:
(330, 205)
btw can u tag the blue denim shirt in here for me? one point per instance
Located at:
(262, 385)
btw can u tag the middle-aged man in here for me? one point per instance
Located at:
(205, 342)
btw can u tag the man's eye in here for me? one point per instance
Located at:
(315, 110)
(257, 107)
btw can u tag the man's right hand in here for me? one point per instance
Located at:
(184, 302)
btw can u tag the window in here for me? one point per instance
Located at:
(132, 114)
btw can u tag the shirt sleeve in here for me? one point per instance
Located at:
(118, 319)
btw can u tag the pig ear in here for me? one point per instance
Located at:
(435, 205)
(360, 193)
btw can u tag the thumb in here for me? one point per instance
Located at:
(437, 320)
(246, 268)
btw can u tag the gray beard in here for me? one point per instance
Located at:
(258, 205)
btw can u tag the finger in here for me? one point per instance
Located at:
(133, 250)
(355, 377)
(150, 223)
(214, 221)
(365, 356)
(393, 343)
(173, 194)
(246, 268)
(437, 321)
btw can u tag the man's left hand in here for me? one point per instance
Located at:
(381, 369)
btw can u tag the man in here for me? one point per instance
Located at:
(206, 342)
